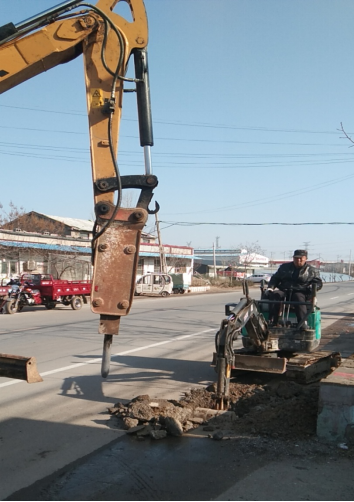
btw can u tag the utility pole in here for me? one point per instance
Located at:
(214, 259)
(350, 262)
(163, 264)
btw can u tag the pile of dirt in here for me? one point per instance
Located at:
(277, 408)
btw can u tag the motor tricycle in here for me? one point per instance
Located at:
(43, 289)
(20, 295)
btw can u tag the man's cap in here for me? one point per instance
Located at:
(299, 253)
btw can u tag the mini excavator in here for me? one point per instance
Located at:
(289, 348)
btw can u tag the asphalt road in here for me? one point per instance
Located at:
(164, 349)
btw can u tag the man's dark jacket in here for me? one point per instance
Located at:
(290, 277)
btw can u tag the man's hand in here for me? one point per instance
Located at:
(267, 291)
(309, 289)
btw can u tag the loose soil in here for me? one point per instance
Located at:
(268, 407)
(261, 406)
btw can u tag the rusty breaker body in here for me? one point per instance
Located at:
(106, 41)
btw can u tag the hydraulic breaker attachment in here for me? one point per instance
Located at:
(115, 256)
(21, 368)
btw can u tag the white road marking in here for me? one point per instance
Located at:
(333, 297)
(350, 294)
(92, 361)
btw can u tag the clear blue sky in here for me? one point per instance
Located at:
(247, 100)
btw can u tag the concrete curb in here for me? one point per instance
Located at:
(336, 403)
(198, 289)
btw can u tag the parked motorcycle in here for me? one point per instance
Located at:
(19, 296)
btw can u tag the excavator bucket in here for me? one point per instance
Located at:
(258, 363)
(21, 368)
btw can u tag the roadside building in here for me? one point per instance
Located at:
(238, 263)
(62, 247)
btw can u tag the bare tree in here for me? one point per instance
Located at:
(346, 135)
(252, 249)
(175, 262)
(12, 213)
(68, 264)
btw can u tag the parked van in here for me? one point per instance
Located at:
(154, 284)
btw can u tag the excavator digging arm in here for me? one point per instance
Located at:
(106, 41)
(281, 349)
(242, 314)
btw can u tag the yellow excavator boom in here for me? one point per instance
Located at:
(106, 40)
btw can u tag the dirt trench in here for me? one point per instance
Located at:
(270, 407)
(261, 405)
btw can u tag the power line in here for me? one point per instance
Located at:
(187, 155)
(45, 157)
(267, 164)
(203, 125)
(186, 140)
(236, 142)
(187, 124)
(270, 199)
(190, 223)
(43, 130)
(162, 163)
(43, 147)
(43, 110)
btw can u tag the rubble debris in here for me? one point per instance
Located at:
(173, 426)
(218, 435)
(160, 434)
(130, 423)
(133, 430)
(270, 407)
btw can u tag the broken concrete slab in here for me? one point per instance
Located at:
(173, 426)
(143, 416)
(159, 434)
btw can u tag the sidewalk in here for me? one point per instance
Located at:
(199, 468)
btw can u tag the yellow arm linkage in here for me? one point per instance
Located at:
(106, 41)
